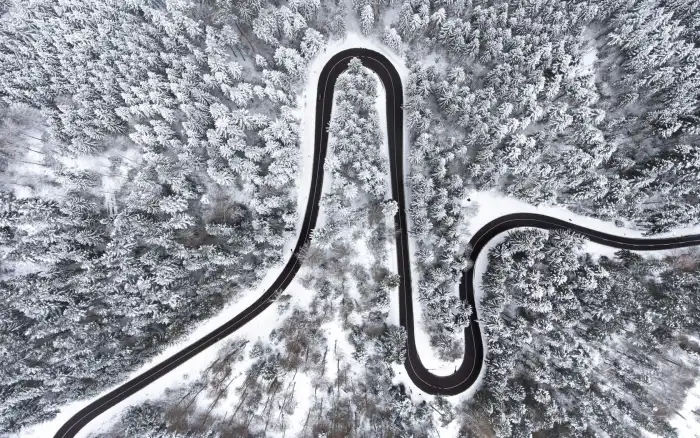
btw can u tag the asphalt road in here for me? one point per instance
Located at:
(470, 368)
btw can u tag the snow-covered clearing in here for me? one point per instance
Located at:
(34, 167)
(588, 61)
(492, 205)
(686, 421)
(393, 317)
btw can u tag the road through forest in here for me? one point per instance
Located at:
(469, 370)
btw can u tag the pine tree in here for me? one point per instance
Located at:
(367, 19)
(392, 39)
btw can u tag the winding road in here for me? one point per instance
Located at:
(467, 373)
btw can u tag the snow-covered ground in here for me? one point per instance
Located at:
(493, 205)
(393, 263)
(33, 166)
(686, 422)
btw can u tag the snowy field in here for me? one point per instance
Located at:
(685, 421)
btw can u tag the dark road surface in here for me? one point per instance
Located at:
(470, 368)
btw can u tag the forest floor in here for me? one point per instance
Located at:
(687, 422)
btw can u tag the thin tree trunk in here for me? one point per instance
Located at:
(218, 396)
(30, 136)
(246, 38)
(270, 402)
(323, 371)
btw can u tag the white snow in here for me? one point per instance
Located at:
(389, 16)
(686, 421)
(32, 167)
(392, 262)
(493, 205)
(588, 60)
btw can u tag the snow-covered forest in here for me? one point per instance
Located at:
(150, 156)
(584, 344)
(613, 350)
(336, 356)
(149, 153)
